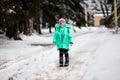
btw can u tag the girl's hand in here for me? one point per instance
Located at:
(71, 44)
(54, 43)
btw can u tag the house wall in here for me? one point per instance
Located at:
(97, 20)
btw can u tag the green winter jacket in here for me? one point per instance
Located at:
(63, 36)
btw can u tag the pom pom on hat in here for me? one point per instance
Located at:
(62, 19)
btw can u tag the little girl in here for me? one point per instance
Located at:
(63, 38)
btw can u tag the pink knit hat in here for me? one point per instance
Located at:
(61, 19)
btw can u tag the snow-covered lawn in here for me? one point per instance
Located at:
(94, 56)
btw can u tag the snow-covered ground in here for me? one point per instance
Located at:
(94, 56)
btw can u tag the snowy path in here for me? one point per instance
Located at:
(106, 62)
(44, 64)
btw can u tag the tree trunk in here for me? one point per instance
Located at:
(28, 28)
(49, 26)
(31, 30)
(9, 32)
(102, 8)
(12, 32)
(105, 4)
(39, 25)
(16, 32)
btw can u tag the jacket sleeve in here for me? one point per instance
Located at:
(57, 27)
(70, 34)
(55, 37)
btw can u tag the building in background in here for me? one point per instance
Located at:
(94, 9)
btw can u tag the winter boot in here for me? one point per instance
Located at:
(66, 60)
(61, 60)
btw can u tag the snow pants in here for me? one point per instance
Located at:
(65, 53)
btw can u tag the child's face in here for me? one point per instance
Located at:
(62, 23)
